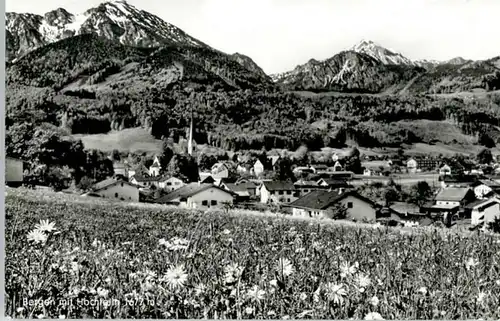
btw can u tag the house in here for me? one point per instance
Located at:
(264, 164)
(277, 192)
(335, 157)
(411, 166)
(243, 169)
(220, 170)
(458, 196)
(240, 190)
(485, 210)
(170, 184)
(146, 181)
(318, 168)
(155, 168)
(427, 164)
(305, 187)
(207, 178)
(481, 189)
(319, 203)
(138, 169)
(449, 202)
(116, 189)
(13, 171)
(407, 214)
(198, 196)
(445, 170)
(251, 187)
(302, 170)
(332, 183)
(120, 168)
(367, 172)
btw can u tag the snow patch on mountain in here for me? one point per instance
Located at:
(384, 55)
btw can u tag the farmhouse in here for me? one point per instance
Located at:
(145, 181)
(319, 203)
(484, 210)
(449, 202)
(427, 164)
(332, 183)
(411, 166)
(199, 196)
(264, 164)
(139, 169)
(117, 189)
(251, 187)
(13, 171)
(220, 170)
(319, 168)
(170, 184)
(277, 192)
(240, 190)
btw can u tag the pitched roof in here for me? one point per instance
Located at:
(403, 208)
(279, 186)
(333, 182)
(188, 191)
(452, 194)
(478, 203)
(236, 187)
(247, 185)
(140, 178)
(108, 183)
(321, 199)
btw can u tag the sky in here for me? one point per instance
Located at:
(281, 34)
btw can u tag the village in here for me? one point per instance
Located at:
(459, 197)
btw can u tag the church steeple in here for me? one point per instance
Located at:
(190, 141)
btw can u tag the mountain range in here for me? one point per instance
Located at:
(122, 67)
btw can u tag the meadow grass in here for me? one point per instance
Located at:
(110, 259)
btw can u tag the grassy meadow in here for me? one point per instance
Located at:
(105, 259)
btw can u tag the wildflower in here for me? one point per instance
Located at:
(374, 301)
(304, 313)
(232, 273)
(102, 292)
(374, 316)
(285, 267)
(199, 289)
(300, 250)
(335, 293)
(346, 270)
(271, 313)
(471, 263)
(316, 294)
(95, 243)
(75, 267)
(107, 280)
(480, 297)
(255, 293)
(40, 316)
(37, 236)
(497, 282)
(249, 310)
(303, 296)
(273, 283)
(423, 290)
(45, 226)
(162, 241)
(20, 309)
(363, 282)
(62, 316)
(176, 277)
(226, 232)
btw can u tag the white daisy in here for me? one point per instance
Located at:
(37, 236)
(374, 301)
(175, 277)
(256, 294)
(471, 263)
(363, 281)
(45, 226)
(335, 293)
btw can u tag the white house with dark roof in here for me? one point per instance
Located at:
(170, 184)
(318, 203)
(198, 196)
(277, 192)
(116, 189)
(484, 210)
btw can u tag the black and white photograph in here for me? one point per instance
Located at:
(252, 159)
